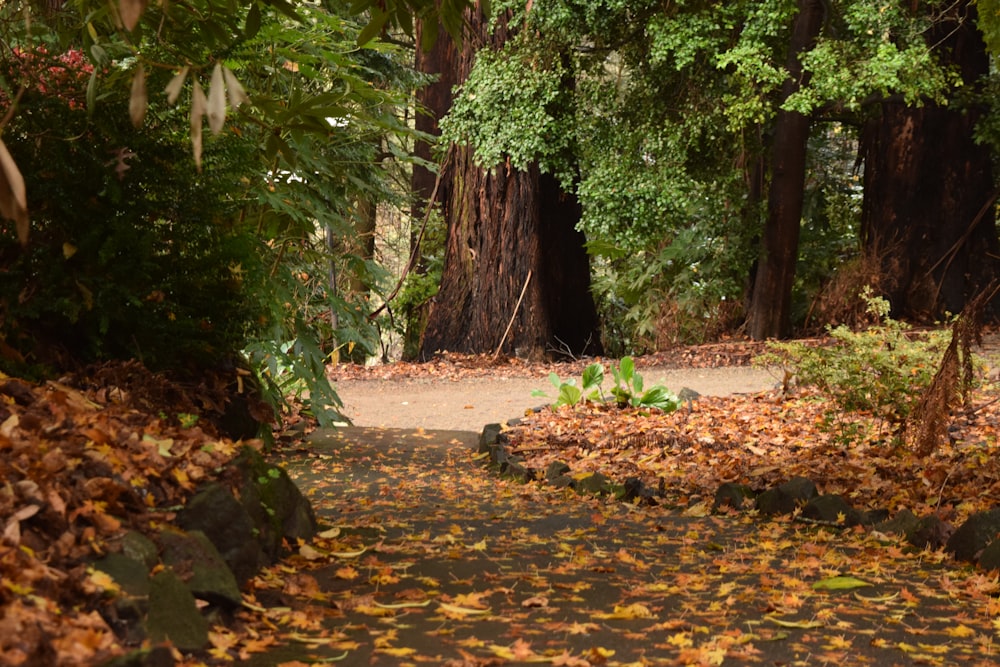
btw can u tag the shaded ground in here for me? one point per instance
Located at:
(433, 560)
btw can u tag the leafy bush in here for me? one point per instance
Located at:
(881, 371)
(629, 389)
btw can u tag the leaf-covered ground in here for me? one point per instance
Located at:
(428, 558)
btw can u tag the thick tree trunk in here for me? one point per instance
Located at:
(928, 211)
(433, 102)
(509, 231)
(770, 303)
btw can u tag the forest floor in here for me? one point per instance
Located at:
(427, 557)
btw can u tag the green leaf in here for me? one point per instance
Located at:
(252, 25)
(627, 368)
(593, 376)
(569, 395)
(839, 584)
(554, 379)
(374, 27)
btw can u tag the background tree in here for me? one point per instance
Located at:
(513, 254)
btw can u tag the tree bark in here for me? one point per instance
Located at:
(770, 303)
(433, 102)
(928, 211)
(502, 224)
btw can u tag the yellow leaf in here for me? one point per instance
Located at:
(960, 631)
(461, 611)
(803, 625)
(400, 652)
(681, 640)
(631, 611)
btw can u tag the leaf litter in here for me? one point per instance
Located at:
(428, 558)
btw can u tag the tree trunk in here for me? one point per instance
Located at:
(928, 212)
(509, 231)
(770, 304)
(433, 102)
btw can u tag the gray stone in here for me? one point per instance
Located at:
(193, 557)
(930, 533)
(787, 497)
(831, 509)
(972, 536)
(556, 469)
(138, 547)
(989, 559)
(274, 502)
(730, 494)
(595, 483)
(870, 518)
(903, 524)
(131, 575)
(225, 521)
(173, 614)
(562, 482)
(515, 469)
(156, 656)
(488, 437)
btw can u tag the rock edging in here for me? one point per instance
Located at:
(976, 541)
(171, 586)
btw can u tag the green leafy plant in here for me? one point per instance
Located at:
(881, 371)
(629, 389)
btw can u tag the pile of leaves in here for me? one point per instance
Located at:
(766, 439)
(82, 461)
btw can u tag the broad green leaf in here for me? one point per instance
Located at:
(568, 395)
(839, 584)
(554, 379)
(627, 369)
(593, 376)
(252, 25)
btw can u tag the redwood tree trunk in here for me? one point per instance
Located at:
(509, 231)
(770, 303)
(433, 102)
(928, 211)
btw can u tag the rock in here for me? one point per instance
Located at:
(562, 482)
(595, 483)
(635, 490)
(275, 504)
(930, 533)
(730, 494)
(138, 547)
(556, 469)
(975, 534)
(831, 509)
(515, 469)
(157, 656)
(870, 518)
(903, 524)
(131, 575)
(193, 557)
(785, 498)
(225, 521)
(989, 559)
(489, 436)
(173, 614)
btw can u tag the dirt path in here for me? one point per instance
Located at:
(469, 404)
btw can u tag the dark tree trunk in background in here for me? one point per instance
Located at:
(928, 211)
(770, 303)
(433, 101)
(504, 224)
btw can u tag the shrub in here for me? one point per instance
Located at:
(882, 370)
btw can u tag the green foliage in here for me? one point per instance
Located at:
(629, 389)
(135, 250)
(881, 371)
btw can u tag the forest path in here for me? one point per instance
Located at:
(429, 558)
(469, 403)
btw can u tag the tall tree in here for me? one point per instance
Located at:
(770, 304)
(929, 188)
(513, 255)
